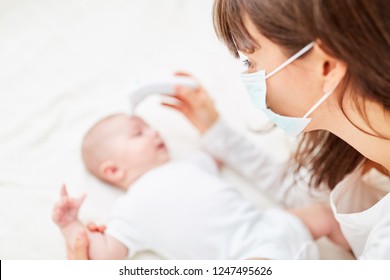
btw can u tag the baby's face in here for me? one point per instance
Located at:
(136, 146)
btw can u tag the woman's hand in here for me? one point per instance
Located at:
(195, 104)
(79, 250)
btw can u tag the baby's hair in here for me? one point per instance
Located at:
(91, 153)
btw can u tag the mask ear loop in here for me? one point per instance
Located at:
(319, 102)
(305, 49)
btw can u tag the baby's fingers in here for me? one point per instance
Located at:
(64, 192)
(95, 228)
(80, 201)
(59, 209)
(57, 214)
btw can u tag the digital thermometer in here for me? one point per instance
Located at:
(162, 86)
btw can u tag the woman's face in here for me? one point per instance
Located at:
(294, 89)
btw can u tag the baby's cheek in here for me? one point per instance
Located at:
(146, 153)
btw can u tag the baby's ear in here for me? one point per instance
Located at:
(111, 172)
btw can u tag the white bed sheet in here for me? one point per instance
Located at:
(64, 65)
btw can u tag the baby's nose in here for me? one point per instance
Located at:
(152, 132)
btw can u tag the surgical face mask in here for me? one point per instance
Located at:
(256, 87)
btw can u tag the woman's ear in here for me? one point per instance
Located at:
(333, 70)
(111, 172)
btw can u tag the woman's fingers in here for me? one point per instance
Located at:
(181, 97)
(180, 109)
(177, 102)
(183, 74)
(186, 74)
(187, 95)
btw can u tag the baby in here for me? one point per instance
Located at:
(181, 209)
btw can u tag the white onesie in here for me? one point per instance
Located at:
(183, 210)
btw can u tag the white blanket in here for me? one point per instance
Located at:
(64, 65)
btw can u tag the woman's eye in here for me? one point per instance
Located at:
(247, 63)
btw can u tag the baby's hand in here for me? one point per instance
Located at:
(67, 209)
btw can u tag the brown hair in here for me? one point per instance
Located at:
(354, 31)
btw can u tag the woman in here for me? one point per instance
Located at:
(339, 83)
(320, 68)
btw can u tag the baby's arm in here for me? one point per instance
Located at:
(101, 246)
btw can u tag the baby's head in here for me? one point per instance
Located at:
(120, 148)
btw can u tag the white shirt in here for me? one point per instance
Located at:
(361, 204)
(183, 210)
